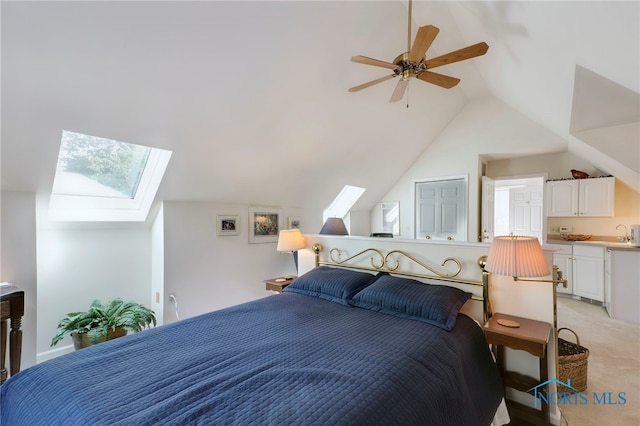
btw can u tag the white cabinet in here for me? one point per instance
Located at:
(580, 197)
(562, 198)
(595, 197)
(624, 270)
(607, 281)
(563, 259)
(588, 271)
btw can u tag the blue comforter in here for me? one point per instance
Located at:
(285, 359)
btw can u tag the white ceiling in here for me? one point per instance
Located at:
(252, 96)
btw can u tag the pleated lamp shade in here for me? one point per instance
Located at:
(516, 256)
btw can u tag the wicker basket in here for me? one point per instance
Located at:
(572, 363)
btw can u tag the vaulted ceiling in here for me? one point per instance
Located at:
(252, 97)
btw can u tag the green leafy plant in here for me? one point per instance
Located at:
(106, 321)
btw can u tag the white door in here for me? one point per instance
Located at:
(488, 209)
(525, 211)
(441, 210)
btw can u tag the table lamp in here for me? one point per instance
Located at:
(334, 226)
(290, 241)
(521, 257)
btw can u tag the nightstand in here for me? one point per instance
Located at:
(12, 308)
(278, 284)
(533, 337)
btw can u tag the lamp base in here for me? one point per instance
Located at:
(508, 323)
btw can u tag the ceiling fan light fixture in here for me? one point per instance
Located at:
(415, 64)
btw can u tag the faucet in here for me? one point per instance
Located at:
(626, 237)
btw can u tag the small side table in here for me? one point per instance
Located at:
(278, 284)
(533, 337)
(11, 308)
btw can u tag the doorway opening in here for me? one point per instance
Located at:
(513, 205)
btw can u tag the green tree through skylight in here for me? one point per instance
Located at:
(117, 165)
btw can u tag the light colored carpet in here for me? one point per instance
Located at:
(613, 365)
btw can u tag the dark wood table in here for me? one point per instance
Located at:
(278, 284)
(12, 309)
(530, 336)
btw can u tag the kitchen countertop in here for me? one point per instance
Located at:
(613, 245)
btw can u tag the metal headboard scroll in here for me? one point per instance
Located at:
(391, 263)
(335, 255)
(408, 256)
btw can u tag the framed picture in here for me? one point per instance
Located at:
(293, 222)
(228, 225)
(264, 224)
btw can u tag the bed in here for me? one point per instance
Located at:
(338, 346)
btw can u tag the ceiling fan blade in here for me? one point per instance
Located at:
(439, 79)
(468, 52)
(398, 93)
(371, 83)
(423, 41)
(375, 62)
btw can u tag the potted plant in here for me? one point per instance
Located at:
(104, 322)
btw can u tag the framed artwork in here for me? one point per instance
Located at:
(293, 222)
(264, 224)
(228, 225)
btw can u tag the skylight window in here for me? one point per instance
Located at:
(99, 179)
(343, 202)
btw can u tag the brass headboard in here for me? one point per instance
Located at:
(391, 261)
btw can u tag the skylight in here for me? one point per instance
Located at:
(100, 179)
(343, 202)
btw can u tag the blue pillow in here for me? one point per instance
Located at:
(334, 284)
(434, 304)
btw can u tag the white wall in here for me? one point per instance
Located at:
(18, 223)
(79, 262)
(484, 127)
(208, 272)
(157, 265)
(360, 223)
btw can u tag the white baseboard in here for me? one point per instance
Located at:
(53, 353)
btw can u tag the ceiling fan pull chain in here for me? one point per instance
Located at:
(407, 97)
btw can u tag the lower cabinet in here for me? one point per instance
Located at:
(588, 271)
(563, 259)
(624, 292)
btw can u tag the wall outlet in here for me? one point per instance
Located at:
(565, 229)
(555, 229)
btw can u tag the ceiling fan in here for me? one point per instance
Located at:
(413, 63)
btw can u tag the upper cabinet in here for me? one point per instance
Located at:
(580, 197)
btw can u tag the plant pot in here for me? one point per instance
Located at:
(81, 340)
(115, 333)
